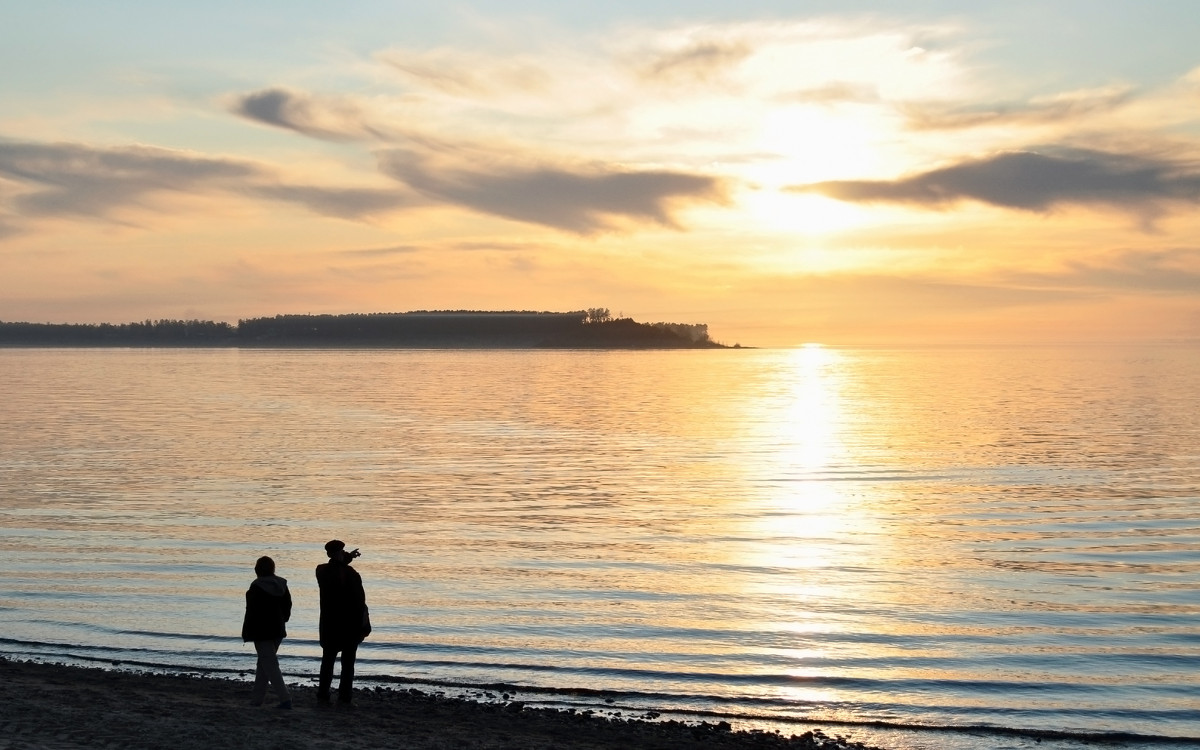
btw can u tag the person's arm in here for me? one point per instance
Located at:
(286, 609)
(246, 618)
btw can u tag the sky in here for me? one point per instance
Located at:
(845, 173)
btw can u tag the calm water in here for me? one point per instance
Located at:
(937, 537)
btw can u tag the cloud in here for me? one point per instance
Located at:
(1066, 107)
(699, 61)
(580, 200)
(324, 117)
(378, 252)
(1033, 181)
(493, 245)
(342, 203)
(469, 74)
(1166, 271)
(834, 92)
(453, 169)
(77, 180)
(888, 301)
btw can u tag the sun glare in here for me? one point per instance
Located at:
(803, 416)
(806, 215)
(810, 423)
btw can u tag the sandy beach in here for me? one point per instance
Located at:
(59, 707)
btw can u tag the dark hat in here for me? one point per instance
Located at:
(334, 545)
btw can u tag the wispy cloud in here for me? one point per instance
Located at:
(701, 60)
(77, 180)
(324, 117)
(1166, 271)
(1061, 108)
(378, 252)
(582, 199)
(1034, 181)
(66, 179)
(833, 92)
(342, 203)
(469, 74)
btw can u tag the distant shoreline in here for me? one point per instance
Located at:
(590, 329)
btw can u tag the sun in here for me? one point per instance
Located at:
(807, 215)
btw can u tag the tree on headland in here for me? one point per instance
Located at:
(144, 333)
(591, 328)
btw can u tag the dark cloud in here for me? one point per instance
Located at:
(73, 179)
(317, 117)
(67, 179)
(581, 201)
(343, 203)
(1058, 109)
(1034, 181)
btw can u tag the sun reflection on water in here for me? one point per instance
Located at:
(808, 519)
(803, 449)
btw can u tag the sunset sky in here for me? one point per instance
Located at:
(845, 172)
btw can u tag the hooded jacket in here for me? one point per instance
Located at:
(268, 607)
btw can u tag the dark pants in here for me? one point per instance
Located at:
(346, 683)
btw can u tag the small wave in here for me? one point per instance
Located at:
(680, 706)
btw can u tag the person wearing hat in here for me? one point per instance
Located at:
(344, 619)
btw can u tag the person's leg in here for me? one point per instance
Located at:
(268, 663)
(346, 684)
(262, 671)
(328, 657)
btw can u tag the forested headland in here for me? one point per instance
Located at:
(594, 328)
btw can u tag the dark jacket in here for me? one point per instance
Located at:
(268, 607)
(344, 620)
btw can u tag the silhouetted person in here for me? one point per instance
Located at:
(344, 621)
(268, 607)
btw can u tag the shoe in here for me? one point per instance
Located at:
(324, 700)
(285, 705)
(256, 702)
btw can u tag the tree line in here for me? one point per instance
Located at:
(594, 328)
(148, 332)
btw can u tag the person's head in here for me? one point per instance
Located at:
(336, 549)
(265, 566)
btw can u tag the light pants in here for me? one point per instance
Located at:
(268, 672)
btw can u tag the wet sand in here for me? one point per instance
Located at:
(58, 707)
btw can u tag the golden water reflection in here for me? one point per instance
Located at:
(811, 522)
